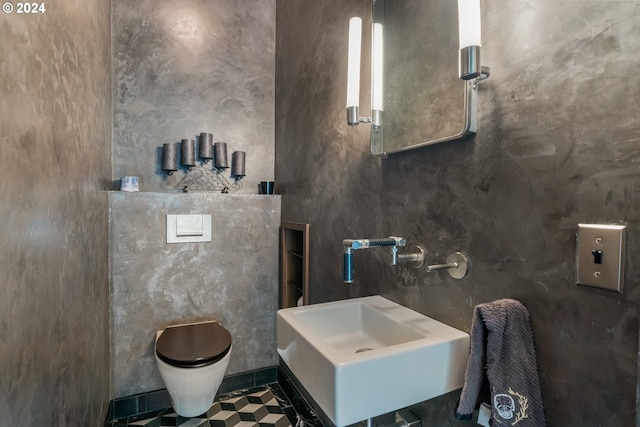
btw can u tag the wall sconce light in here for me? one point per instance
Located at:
(353, 74)
(376, 75)
(470, 65)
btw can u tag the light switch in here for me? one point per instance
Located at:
(188, 228)
(600, 256)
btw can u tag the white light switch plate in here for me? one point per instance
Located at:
(600, 256)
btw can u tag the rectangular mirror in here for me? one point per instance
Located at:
(423, 100)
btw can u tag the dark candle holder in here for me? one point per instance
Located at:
(188, 153)
(237, 164)
(206, 147)
(170, 158)
(203, 177)
(220, 149)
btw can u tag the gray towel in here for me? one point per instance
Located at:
(502, 342)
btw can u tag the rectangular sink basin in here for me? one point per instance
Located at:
(364, 357)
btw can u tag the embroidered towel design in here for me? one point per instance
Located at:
(502, 342)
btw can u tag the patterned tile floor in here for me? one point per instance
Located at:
(264, 406)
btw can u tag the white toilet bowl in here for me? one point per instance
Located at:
(192, 360)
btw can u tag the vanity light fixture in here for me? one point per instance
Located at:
(353, 70)
(353, 74)
(470, 65)
(376, 74)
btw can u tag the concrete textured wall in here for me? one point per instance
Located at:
(55, 147)
(232, 279)
(182, 68)
(557, 145)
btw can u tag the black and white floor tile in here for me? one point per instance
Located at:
(264, 406)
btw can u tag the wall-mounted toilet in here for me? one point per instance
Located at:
(192, 360)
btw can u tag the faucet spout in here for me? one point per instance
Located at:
(350, 245)
(369, 243)
(347, 273)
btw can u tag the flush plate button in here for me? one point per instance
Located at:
(188, 228)
(600, 256)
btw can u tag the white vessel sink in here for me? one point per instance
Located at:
(364, 357)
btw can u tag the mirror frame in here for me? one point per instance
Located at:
(468, 125)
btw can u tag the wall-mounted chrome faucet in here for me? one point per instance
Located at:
(351, 245)
(457, 263)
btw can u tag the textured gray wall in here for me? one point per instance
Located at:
(557, 145)
(182, 68)
(233, 279)
(55, 147)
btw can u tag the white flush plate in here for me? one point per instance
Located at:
(188, 228)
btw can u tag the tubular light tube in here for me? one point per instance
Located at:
(469, 23)
(376, 68)
(353, 68)
(469, 36)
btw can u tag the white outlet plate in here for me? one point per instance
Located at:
(609, 240)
